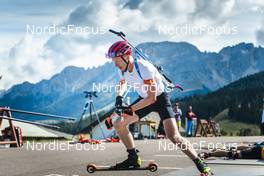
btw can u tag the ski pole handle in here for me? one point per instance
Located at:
(121, 34)
(179, 87)
(114, 32)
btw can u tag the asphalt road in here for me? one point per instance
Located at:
(62, 159)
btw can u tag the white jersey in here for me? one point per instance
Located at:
(147, 71)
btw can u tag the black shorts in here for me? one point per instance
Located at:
(162, 106)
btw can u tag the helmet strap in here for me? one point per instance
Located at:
(127, 63)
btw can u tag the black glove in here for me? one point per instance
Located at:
(109, 123)
(127, 110)
(119, 101)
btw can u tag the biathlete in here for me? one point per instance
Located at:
(147, 81)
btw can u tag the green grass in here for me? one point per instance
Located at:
(231, 128)
(223, 115)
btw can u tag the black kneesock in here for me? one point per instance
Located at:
(196, 160)
(132, 152)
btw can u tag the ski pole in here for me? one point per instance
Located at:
(123, 36)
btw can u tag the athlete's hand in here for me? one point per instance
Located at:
(126, 110)
(119, 101)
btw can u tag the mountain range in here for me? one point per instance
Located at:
(197, 72)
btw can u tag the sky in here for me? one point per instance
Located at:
(41, 37)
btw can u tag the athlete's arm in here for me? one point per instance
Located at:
(150, 99)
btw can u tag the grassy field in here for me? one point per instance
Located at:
(232, 128)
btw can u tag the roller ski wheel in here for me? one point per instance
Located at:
(153, 167)
(91, 168)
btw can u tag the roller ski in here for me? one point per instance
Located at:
(91, 168)
(203, 167)
(132, 163)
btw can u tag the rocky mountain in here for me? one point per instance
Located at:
(198, 72)
(193, 69)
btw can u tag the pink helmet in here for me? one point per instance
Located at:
(118, 49)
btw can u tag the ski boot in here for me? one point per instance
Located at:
(132, 162)
(203, 167)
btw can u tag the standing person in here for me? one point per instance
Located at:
(177, 115)
(262, 122)
(190, 115)
(147, 81)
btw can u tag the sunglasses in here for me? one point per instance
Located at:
(112, 55)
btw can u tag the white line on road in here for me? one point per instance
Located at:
(180, 156)
(169, 168)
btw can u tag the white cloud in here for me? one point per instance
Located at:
(33, 58)
(213, 9)
(260, 34)
(23, 62)
(95, 13)
(74, 50)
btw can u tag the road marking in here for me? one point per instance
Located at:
(181, 156)
(169, 168)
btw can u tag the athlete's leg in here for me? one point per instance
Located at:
(165, 111)
(173, 134)
(121, 127)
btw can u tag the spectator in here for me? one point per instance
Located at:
(177, 115)
(190, 115)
